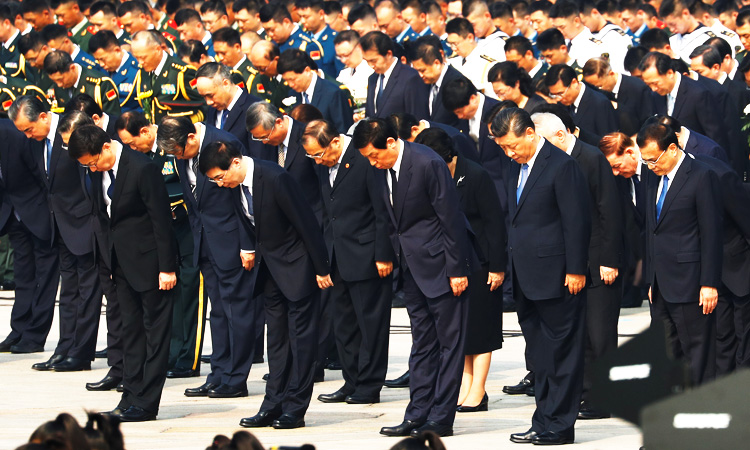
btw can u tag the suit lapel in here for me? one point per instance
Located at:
(404, 177)
(675, 186)
(235, 113)
(122, 173)
(390, 86)
(257, 198)
(386, 197)
(55, 157)
(346, 163)
(294, 145)
(679, 102)
(536, 172)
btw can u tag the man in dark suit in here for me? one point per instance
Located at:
(296, 68)
(80, 293)
(691, 141)
(132, 226)
(287, 246)
(355, 226)
(683, 247)
(217, 243)
(431, 241)
(548, 241)
(394, 87)
(591, 110)
(25, 218)
(604, 287)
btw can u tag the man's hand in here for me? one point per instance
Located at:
(324, 282)
(575, 282)
(248, 260)
(384, 268)
(650, 300)
(708, 299)
(167, 280)
(608, 274)
(459, 285)
(495, 279)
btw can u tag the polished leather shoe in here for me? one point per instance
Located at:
(200, 391)
(403, 429)
(206, 359)
(265, 377)
(262, 419)
(355, 399)
(531, 391)
(47, 365)
(183, 373)
(482, 406)
(400, 382)
(227, 391)
(437, 428)
(26, 347)
(337, 397)
(136, 414)
(115, 412)
(552, 438)
(588, 413)
(7, 344)
(523, 438)
(105, 384)
(101, 354)
(71, 364)
(334, 365)
(522, 386)
(288, 422)
(120, 388)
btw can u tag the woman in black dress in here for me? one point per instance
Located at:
(511, 82)
(484, 327)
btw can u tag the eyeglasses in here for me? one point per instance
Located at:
(559, 96)
(318, 156)
(91, 164)
(218, 178)
(265, 138)
(652, 163)
(345, 56)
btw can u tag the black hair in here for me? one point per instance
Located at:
(252, 6)
(564, 9)
(514, 120)
(663, 135)
(662, 62)
(550, 39)
(378, 41)
(173, 134)
(459, 26)
(57, 61)
(521, 44)
(103, 40)
(215, 6)
(560, 72)
(654, 38)
(53, 31)
(132, 122)
(427, 49)
(274, 11)
(228, 35)
(84, 103)
(109, 9)
(321, 131)
(31, 41)
(186, 15)
(133, 7)
(87, 140)
(457, 93)
(34, 6)
(509, 73)
(292, 60)
(403, 122)
(346, 36)
(710, 55)
(218, 155)
(193, 50)
(373, 131)
(633, 57)
(721, 45)
(439, 141)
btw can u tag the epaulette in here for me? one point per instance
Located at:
(325, 37)
(505, 38)
(179, 66)
(94, 80)
(711, 33)
(595, 40)
(487, 58)
(727, 33)
(622, 33)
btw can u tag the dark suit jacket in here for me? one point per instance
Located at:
(697, 144)
(595, 113)
(463, 144)
(355, 222)
(439, 112)
(404, 92)
(235, 123)
(111, 128)
(429, 228)
(211, 215)
(684, 247)
(635, 104)
(533, 101)
(550, 225)
(139, 230)
(288, 240)
(333, 102)
(492, 157)
(21, 184)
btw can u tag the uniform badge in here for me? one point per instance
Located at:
(7, 104)
(259, 87)
(315, 54)
(289, 101)
(11, 65)
(124, 72)
(324, 38)
(111, 94)
(193, 82)
(168, 89)
(168, 168)
(241, 84)
(126, 87)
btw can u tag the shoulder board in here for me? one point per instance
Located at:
(505, 38)
(605, 55)
(487, 58)
(325, 37)
(304, 38)
(622, 33)
(711, 33)
(724, 32)
(595, 40)
(94, 80)
(179, 66)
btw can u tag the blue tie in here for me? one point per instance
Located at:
(111, 188)
(663, 194)
(524, 175)
(380, 91)
(249, 198)
(48, 143)
(305, 98)
(224, 115)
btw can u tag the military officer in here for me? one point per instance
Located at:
(11, 60)
(56, 37)
(190, 26)
(313, 20)
(264, 57)
(33, 49)
(391, 22)
(135, 16)
(12, 88)
(469, 59)
(103, 16)
(121, 66)
(164, 86)
(70, 16)
(72, 79)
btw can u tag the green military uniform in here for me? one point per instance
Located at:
(13, 62)
(81, 35)
(124, 38)
(259, 85)
(168, 29)
(171, 93)
(12, 88)
(102, 89)
(740, 55)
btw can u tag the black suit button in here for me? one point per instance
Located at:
(511, 249)
(333, 219)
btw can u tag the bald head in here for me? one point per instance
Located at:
(264, 56)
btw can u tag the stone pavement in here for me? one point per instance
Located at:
(29, 398)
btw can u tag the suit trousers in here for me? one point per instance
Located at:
(732, 315)
(233, 312)
(555, 340)
(692, 332)
(36, 276)
(436, 361)
(146, 322)
(114, 322)
(80, 303)
(602, 315)
(361, 313)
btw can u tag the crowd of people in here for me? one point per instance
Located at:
(560, 159)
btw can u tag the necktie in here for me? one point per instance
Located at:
(249, 198)
(381, 82)
(194, 166)
(281, 157)
(111, 188)
(660, 202)
(636, 188)
(332, 174)
(463, 61)
(522, 182)
(48, 144)
(433, 104)
(670, 104)
(224, 115)
(305, 98)
(394, 187)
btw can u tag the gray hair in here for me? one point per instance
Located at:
(148, 37)
(28, 105)
(548, 124)
(72, 120)
(263, 114)
(217, 72)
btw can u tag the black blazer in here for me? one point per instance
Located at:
(355, 222)
(550, 225)
(595, 113)
(697, 144)
(404, 92)
(288, 240)
(235, 123)
(463, 144)
(139, 230)
(333, 102)
(635, 104)
(439, 112)
(21, 184)
(533, 101)
(684, 247)
(492, 157)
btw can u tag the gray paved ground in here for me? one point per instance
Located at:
(28, 398)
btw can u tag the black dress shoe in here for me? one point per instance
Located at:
(120, 388)
(26, 347)
(101, 354)
(288, 421)
(437, 428)
(265, 377)
(337, 397)
(206, 359)
(7, 344)
(262, 419)
(227, 391)
(522, 386)
(136, 414)
(47, 365)
(71, 364)
(334, 365)
(403, 429)
(552, 438)
(523, 438)
(355, 399)
(115, 412)
(587, 413)
(200, 391)
(400, 382)
(183, 373)
(105, 384)
(482, 406)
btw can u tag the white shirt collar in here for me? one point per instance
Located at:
(105, 121)
(154, 147)
(676, 167)
(388, 72)
(78, 26)
(580, 96)
(200, 130)
(537, 68)
(733, 72)
(80, 71)
(118, 154)
(311, 88)
(206, 37)
(6, 44)
(476, 122)
(397, 165)
(236, 66)
(125, 57)
(442, 75)
(28, 29)
(616, 89)
(76, 51)
(163, 61)
(684, 136)
(676, 87)
(402, 34)
(235, 97)
(572, 144)
(531, 161)
(248, 180)
(54, 120)
(346, 141)
(317, 35)
(288, 136)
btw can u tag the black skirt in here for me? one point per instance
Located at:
(484, 326)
